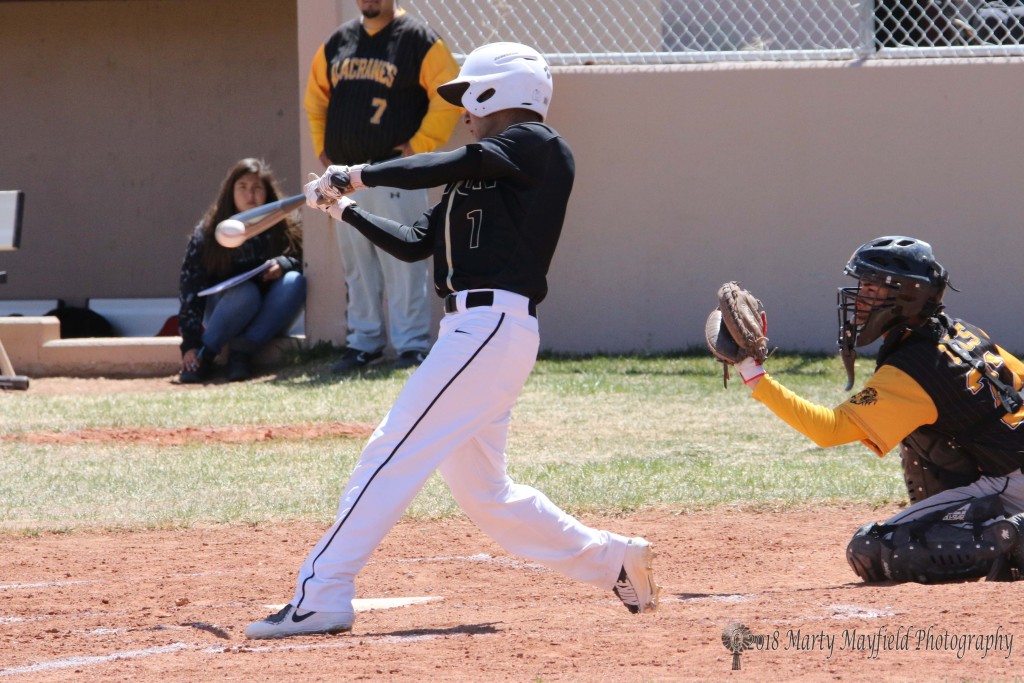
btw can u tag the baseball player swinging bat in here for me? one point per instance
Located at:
(233, 232)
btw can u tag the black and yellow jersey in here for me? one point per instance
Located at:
(920, 381)
(369, 93)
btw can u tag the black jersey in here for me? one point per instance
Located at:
(499, 219)
(970, 410)
(377, 102)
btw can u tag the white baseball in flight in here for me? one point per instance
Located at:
(230, 233)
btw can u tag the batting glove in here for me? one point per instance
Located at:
(335, 182)
(314, 199)
(337, 208)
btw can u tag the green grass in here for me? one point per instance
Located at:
(604, 434)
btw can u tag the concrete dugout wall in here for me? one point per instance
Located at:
(120, 119)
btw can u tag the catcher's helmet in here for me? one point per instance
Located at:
(501, 76)
(912, 283)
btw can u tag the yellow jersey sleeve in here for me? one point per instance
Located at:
(888, 408)
(438, 68)
(318, 96)
(824, 426)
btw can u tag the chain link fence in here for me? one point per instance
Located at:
(692, 31)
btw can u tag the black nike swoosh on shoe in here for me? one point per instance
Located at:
(461, 332)
(296, 618)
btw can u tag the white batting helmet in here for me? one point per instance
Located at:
(501, 76)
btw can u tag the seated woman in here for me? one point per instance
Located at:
(245, 317)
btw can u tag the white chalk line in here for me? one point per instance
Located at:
(69, 662)
(82, 661)
(837, 612)
(44, 584)
(483, 558)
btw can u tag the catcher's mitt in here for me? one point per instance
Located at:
(738, 328)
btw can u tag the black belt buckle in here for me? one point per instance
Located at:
(475, 299)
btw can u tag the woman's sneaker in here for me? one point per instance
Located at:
(204, 370)
(239, 366)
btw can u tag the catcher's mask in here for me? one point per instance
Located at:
(501, 76)
(898, 282)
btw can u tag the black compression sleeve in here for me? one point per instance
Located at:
(404, 242)
(419, 171)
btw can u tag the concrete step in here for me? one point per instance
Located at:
(35, 349)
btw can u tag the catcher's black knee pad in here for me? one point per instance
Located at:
(865, 552)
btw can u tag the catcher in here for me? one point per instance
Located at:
(942, 391)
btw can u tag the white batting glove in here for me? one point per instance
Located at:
(314, 199)
(337, 208)
(335, 182)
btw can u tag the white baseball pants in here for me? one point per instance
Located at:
(454, 414)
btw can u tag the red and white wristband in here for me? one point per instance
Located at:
(749, 369)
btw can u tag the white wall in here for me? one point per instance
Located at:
(690, 176)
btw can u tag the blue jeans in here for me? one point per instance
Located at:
(246, 319)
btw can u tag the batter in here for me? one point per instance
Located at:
(492, 237)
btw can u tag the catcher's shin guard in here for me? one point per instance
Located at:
(944, 552)
(959, 543)
(864, 553)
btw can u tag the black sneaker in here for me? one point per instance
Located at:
(203, 370)
(239, 366)
(409, 359)
(354, 359)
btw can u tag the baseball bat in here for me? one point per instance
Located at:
(232, 232)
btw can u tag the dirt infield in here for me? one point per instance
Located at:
(172, 606)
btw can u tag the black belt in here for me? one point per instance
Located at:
(474, 299)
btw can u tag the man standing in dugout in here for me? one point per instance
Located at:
(372, 96)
